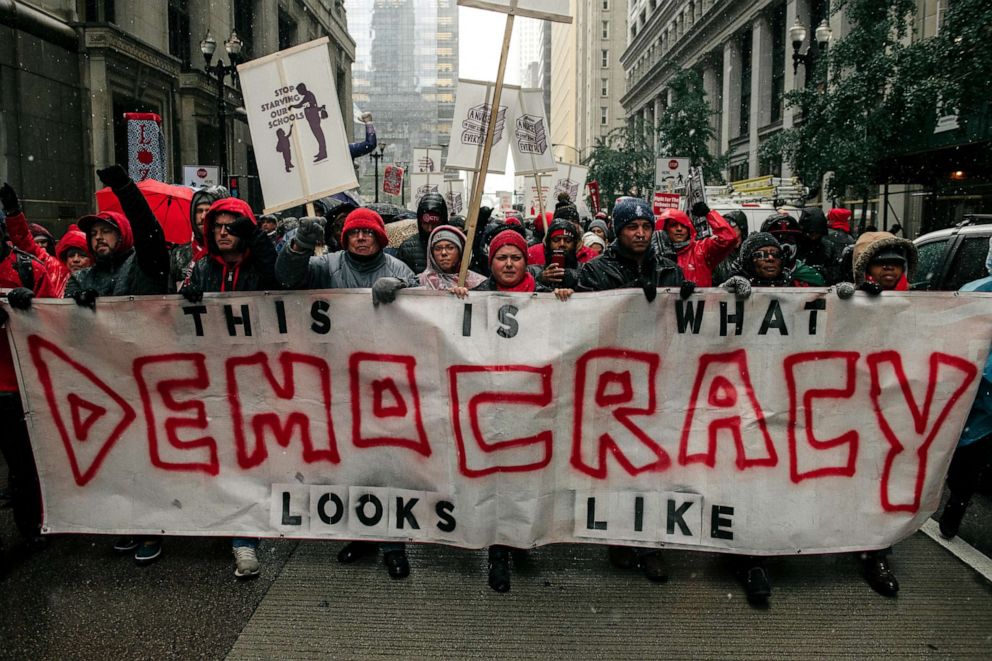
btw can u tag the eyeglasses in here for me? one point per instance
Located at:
(361, 231)
(220, 228)
(766, 254)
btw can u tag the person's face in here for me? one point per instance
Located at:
(635, 237)
(886, 274)
(201, 211)
(767, 262)
(104, 238)
(43, 241)
(677, 232)
(814, 237)
(564, 242)
(737, 233)
(598, 231)
(596, 248)
(268, 226)
(362, 242)
(226, 242)
(77, 260)
(446, 255)
(509, 266)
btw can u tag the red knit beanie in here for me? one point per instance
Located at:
(366, 219)
(507, 238)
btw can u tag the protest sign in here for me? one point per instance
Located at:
(594, 196)
(392, 180)
(426, 160)
(571, 180)
(669, 170)
(454, 194)
(664, 201)
(790, 422)
(422, 184)
(473, 109)
(531, 145)
(200, 176)
(147, 157)
(531, 202)
(549, 10)
(300, 141)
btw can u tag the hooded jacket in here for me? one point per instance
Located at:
(540, 255)
(413, 251)
(786, 230)
(744, 266)
(183, 256)
(22, 236)
(255, 271)
(433, 277)
(700, 257)
(616, 270)
(870, 244)
(140, 262)
(822, 254)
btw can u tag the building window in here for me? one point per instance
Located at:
(100, 11)
(287, 31)
(179, 31)
(739, 171)
(606, 5)
(606, 30)
(778, 63)
(244, 25)
(605, 61)
(604, 88)
(604, 116)
(745, 108)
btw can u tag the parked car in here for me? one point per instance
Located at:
(951, 257)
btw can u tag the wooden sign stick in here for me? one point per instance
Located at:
(540, 199)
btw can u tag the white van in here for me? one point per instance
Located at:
(756, 212)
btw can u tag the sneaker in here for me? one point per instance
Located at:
(125, 544)
(951, 517)
(148, 551)
(245, 562)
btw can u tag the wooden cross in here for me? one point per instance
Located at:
(512, 9)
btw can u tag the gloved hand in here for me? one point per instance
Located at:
(739, 286)
(115, 176)
(700, 210)
(20, 298)
(86, 298)
(845, 290)
(871, 288)
(309, 233)
(687, 289)
(8, 197)
(243, 228)
(366, 118)
(192, 293)
(384, 290)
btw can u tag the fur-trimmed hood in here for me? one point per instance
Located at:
(871, 244)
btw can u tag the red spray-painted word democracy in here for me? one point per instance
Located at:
(615, 394)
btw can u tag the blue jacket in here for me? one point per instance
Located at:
(979, 423)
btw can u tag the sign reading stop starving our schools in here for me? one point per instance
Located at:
(790, 422)
(301, 146)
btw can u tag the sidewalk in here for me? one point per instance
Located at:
(568, 603)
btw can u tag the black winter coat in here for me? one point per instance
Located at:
(413, 252)
(613, 270)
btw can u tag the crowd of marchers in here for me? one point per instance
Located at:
(559, 252)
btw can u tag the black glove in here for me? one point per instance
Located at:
(115, 176)
(687, 289)
(384, 290)
(8, 197)
(309, 233)
(243, 228)
(86, 298)
(871, 288)
(700, 210)
(192, 293)
(20, 298)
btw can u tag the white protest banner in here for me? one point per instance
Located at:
(671, 170)
(531, 145)
(473, 108)
(549, 10)
(571, 180)
(426, 160)
(300, 141)
(422, 184)
(789, 422)
(201, 175)
(454, 194)
(147, 156)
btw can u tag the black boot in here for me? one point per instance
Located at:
(353, 551)
(499, 569)
(879, 575)
(757, 585)
(396, 563)
(652, 563)
(951, 517)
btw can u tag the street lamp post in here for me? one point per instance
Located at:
(797, 35)
(220, 70)
(377, 156)
(575, 149)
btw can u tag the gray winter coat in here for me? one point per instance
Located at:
(338, 270)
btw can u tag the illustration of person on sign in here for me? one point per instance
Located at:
(314, 113)
(284, 147)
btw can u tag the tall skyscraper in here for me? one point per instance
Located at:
(406, 71)
(533, 39)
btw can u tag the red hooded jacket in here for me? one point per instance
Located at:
(698, 259)
(22, 237)
(10, 279)
(840, 219)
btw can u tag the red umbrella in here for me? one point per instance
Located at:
(170, 204)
